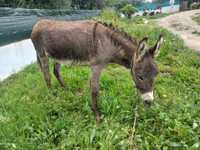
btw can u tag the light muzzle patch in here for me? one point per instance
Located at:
(148, 96)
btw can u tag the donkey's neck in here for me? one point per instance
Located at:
(129, 45)
(126, 49)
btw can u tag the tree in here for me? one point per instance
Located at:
(87, 4)
(37, 3)
(128, 10)
(99, 4)
(59, 4)
(111, 2)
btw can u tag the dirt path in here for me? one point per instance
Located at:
(183, 25)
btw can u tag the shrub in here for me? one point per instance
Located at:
(195, 5)
(128, 10)
(121, 4)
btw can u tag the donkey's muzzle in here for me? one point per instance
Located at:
(148, 98)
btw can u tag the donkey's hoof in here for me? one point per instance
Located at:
(99, 119)
(49, 86)
(63, 85)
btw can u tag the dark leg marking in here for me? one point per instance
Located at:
(57, 68)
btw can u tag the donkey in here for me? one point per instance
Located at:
(98, 44)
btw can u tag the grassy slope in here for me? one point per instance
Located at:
(31, 117)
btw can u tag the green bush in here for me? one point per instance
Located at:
(196, 19)
(111, 2)
(195, 5)
(128, 10)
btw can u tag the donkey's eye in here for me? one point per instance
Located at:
(140, 78)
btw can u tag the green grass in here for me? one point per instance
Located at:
(197, 19)
(33, 117)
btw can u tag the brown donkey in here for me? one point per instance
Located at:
(98, 44)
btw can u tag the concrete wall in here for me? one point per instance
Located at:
(14, 57)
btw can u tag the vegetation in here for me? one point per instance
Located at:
(58, 4)
(128, 10)
(197, 19)
(195, 5)
(33, 117)
(36, 3)
(63, 4)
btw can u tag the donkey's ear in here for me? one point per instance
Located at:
(156, 49)
(142, 47)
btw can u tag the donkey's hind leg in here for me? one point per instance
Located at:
(57, 68)
(43, 62)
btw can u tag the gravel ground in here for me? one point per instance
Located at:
(183, 25)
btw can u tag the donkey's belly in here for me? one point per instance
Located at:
(67, 46)
(73, 62)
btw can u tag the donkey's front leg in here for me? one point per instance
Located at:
(96, 72)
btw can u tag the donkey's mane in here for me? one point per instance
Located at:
(118, 31)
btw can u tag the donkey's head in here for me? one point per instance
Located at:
(144, 69)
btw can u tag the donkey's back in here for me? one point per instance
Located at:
(63, 40)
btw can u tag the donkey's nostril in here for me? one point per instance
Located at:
(148, 102)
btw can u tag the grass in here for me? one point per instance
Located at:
(197, 19)
(32, 117)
